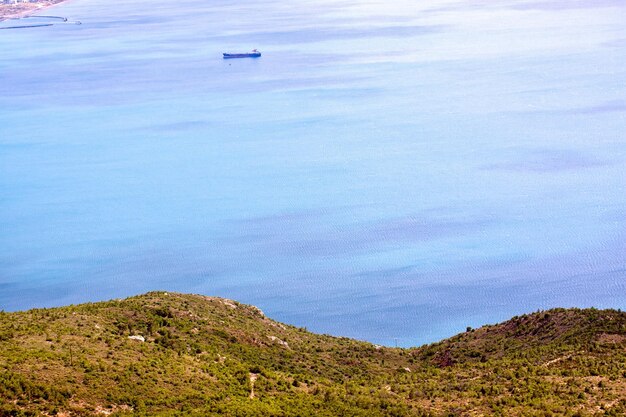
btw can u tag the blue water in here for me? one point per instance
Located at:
(392, 171)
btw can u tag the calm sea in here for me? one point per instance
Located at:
(392, 171)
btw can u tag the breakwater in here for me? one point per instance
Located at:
(46, 19)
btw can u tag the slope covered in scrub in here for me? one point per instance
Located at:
(176, 354)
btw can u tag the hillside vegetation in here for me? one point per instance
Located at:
(174, 354)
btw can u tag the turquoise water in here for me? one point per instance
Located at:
(390, 171)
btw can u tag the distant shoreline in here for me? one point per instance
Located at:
(22, 10)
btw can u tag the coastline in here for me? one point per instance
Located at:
(22, 10)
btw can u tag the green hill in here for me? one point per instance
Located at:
(174, 354)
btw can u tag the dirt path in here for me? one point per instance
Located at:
(253, 378)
